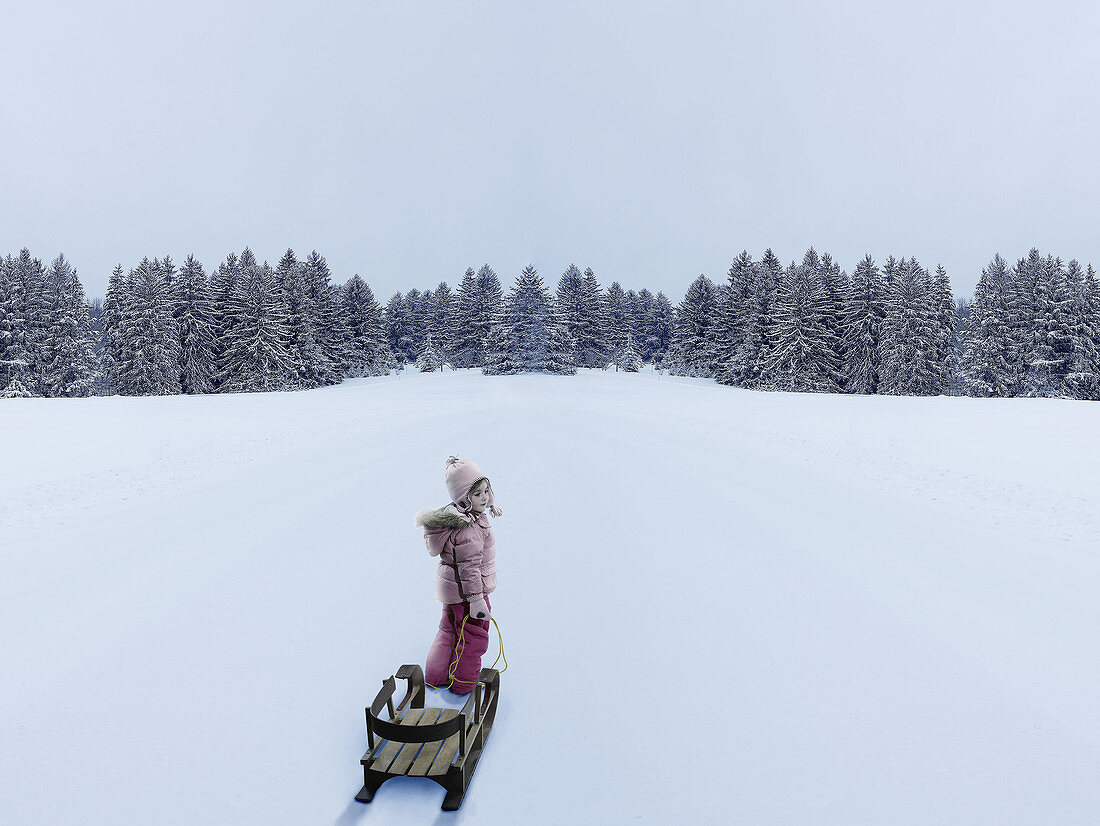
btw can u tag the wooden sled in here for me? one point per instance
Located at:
(438, 743)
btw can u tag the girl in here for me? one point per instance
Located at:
(459, 534)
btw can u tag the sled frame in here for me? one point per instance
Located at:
(440, 744)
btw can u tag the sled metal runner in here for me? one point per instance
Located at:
(440, 744)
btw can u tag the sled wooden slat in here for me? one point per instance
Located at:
(428, 754)
(408, 754)
(384, 757)
(392, 748)
(442, 763)
(447, 754)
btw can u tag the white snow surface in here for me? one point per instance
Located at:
(719, 606)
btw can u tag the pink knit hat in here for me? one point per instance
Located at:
(460, 475)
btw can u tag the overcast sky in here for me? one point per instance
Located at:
(407, 141)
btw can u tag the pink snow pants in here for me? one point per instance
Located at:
(448, 653)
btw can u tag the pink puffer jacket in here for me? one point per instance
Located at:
(466, 550)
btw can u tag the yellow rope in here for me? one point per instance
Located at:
(500, 641)
(460, 646)
(458, 651)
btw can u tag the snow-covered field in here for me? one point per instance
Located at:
(719, 606)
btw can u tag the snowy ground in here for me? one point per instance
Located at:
(719, 606)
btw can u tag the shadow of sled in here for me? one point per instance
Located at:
(440, 744)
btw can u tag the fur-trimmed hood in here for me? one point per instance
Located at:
(449, 516)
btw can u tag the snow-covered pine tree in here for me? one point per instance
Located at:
(368, 352)
(490, 301)
(733, 311)
(150, 336)
(890, 270)
(573, 305)
(302, 348)
(908, 347)
(223, 285)
(616, 320)
(1050, 351)
(664, 323)
(632, 310)
(419, 310)
(466, 345)
(168, 268)
(255, 357)
(1082, 381)
(112, 323)
(247, 262)
(756, 342)
(1062, 333)
(803, 354)
(478, 304)
(947, 328)
(1031, 299)
(714, 341)
(68, 349)
(629, 359)
(595, 348)
(862, 327)
(194, 314)
(431, 357)
(119, 320)
(837, 286)
(987, 349)
(5, 304)
(442, 314)
(503, 344)
(397, 320)
(16, 380)
(1021, 294)
(314, 339)
(29, 274)
(323, 311)
(95, 316)
(810, 259)
(582, 305)
(691, 352)
(644, 331)
(530, 335)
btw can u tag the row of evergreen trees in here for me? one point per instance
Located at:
(47, 341)
(529, 329)
(163, 330)
(811, 327)
(1034, 329)
(1031, 330)
(248, 327)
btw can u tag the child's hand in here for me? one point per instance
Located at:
(478, 609)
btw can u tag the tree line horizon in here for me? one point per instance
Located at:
(1032, 329)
